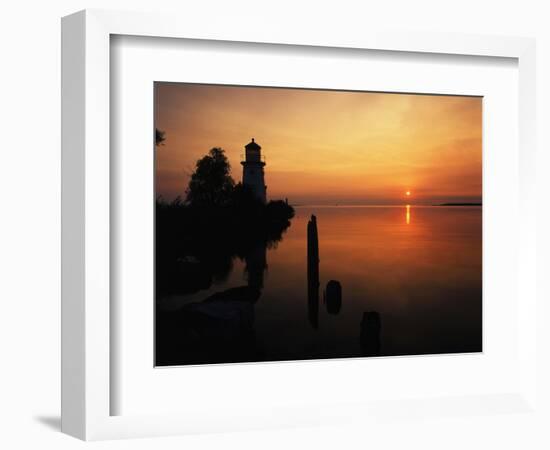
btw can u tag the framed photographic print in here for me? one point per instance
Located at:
(269, 228)
(353, 228)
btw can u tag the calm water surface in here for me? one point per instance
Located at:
(418, 268)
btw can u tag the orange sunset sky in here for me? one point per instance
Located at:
(326, 147)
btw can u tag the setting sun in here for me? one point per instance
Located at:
(408, 193)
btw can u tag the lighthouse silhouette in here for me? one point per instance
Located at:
(253, 170)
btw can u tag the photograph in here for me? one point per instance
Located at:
(306, 224)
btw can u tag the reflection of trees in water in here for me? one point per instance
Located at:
(195, 247)
(219, 328)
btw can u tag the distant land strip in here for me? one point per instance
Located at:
(459, 204)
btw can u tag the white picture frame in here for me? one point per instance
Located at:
(86, 218)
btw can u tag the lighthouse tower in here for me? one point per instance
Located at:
(253, 170)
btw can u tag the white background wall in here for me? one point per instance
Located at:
(30, 198)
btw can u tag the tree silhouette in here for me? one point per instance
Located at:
(211, 183)
(159, 136)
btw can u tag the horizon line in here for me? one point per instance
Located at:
(359, 205)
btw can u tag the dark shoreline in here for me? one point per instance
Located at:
(460, 204)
